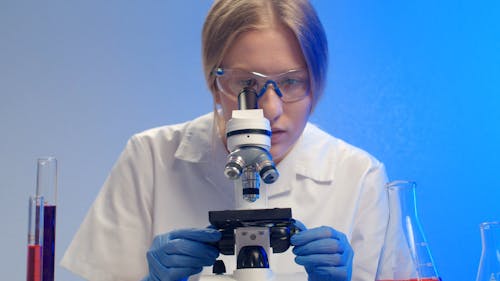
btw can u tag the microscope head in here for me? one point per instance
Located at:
(248, 135)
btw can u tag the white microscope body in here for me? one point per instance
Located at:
(250, 231)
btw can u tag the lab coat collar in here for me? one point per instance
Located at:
(201, 143)
(314, 156)
(307, 161)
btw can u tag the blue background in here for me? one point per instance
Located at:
(416, 83)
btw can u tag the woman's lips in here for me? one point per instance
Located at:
(277, 135)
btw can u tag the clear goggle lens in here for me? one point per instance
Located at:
(291, 86)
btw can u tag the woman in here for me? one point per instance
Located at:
(156, 199)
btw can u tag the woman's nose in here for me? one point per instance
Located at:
(271, 104)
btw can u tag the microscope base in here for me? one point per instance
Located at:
(245, 275)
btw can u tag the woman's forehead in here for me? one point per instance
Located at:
(266, 50)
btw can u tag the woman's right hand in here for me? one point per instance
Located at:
(181, 253)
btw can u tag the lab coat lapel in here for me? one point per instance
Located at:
(306, 161)
(202, 146)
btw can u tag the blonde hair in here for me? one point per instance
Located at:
(229, 18)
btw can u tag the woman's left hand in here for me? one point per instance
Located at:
(324, 252)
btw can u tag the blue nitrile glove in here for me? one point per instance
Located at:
(181, 253)
(324, 252)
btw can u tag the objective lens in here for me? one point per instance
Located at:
(232, 172)
(251, 184)
(269, 174)
(251, 194)
(234, 167)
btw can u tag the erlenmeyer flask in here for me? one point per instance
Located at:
(489, 265)
(406, 254)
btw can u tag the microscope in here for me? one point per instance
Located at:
(251, 231)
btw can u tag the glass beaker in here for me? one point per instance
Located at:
(489, 264)
(406, 255)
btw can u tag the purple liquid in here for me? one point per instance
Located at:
(49, 242)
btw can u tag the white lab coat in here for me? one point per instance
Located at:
(170, 177)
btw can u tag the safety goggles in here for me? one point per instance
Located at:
(290, 86)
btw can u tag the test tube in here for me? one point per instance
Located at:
(46, 187)
(35, 239)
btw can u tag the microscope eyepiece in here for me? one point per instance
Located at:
(247, 99)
